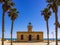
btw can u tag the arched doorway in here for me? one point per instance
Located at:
(21, 37)
(37, 37)
(30, 37)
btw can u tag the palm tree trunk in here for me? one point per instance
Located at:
(3, 27)
(47, 31)
(56, 27)
(12, 30)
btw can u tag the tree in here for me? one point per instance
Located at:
(6, 5)
(47, 13)
(53, 4)
(13, 13)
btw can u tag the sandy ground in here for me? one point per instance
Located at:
(25, 43)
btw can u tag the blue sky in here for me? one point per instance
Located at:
(29, 11)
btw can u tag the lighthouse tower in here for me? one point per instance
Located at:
(29, 27)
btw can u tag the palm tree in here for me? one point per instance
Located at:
(47, 13)
(13, 13)
(6, 5)
(53, 4)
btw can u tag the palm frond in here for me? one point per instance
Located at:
(1, 1)
(12, 4)
(49, 13)
(49, 6)
(58, 2)
(49, 1)
(13, 13)
(46, 13)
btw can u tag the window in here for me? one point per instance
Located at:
(37, 37)
(21, 37)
